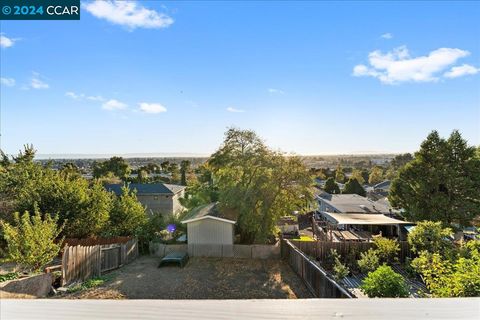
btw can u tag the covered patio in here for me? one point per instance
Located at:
(360, 226)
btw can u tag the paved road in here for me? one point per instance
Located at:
(372, 309)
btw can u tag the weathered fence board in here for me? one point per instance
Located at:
(314, 277)
(80, 263)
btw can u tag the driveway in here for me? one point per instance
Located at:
(201, 278)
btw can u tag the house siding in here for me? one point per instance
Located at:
(161, 203)
(210, 231)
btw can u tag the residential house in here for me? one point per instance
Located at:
(157, 198)
(353, 217)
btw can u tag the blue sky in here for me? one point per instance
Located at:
(309, 77)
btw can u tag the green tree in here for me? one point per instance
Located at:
(450, 277)
(357, 174)
(116, 165)
(430, 236)
(82, 207)
(174, 172)
(384, 283)
(386, 249)
(258, 184)
(353, 187)
(128, 215)
(339, 175)
(376, 175)
(442, 183)
(142, 176)
(31, 240)
(401, 159)
(185, 169)
(331, 186)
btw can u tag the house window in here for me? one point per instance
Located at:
(155, 197)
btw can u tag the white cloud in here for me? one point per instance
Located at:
(129, 14)
(461, 71)
(95, 98)
(9, 82)
(275, 91)
(82, 96)
(398, 66)
(152, 107)
(6, 42)
(75, 96)
(231, 109)
(113, 104)
(37, 83)
(387, 36)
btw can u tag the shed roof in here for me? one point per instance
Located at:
(353, 203)
(361, 218)
(210, 211)
(147, 188)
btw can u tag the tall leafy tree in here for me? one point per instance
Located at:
(258, 184)
(357, 174)
(185, 169)
(331, 186)
(339, 174)
(116, 165)
(376, 175)
(127, 215)
(442, 182)
(28, 186)
(354, 187)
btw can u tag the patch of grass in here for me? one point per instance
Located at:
(91, 283)
(8, 276)
(305, 238)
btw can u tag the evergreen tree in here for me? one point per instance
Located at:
(354, 187)
(442, 183)
(331, 186)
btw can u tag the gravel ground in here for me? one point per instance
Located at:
(201, 278)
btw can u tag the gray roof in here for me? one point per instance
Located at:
(353, 203)
(385, 185)
(212, 210)
(147, 188)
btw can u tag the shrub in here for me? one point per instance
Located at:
(31, 240)
(8, 276)
(369, 261)
(429, 236)
(340, 270)
(386, 249)
(450, 278)
(149, 231)
(331, 258)
(384, 283)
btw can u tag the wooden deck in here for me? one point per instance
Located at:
(417, 288)
(372, 309)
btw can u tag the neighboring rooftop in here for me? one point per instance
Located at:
(385, 185)
(353, 203)
(210, 210)
(147, 188)
(360, 218)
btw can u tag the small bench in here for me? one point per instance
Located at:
(179, 258)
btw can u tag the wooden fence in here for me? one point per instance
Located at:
(320, 284)
(93, 241)
(80, 263)
(321, 249)
(256, 251)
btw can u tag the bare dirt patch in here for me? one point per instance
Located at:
(201, 278)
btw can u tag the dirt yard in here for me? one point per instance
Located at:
(201, 278)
